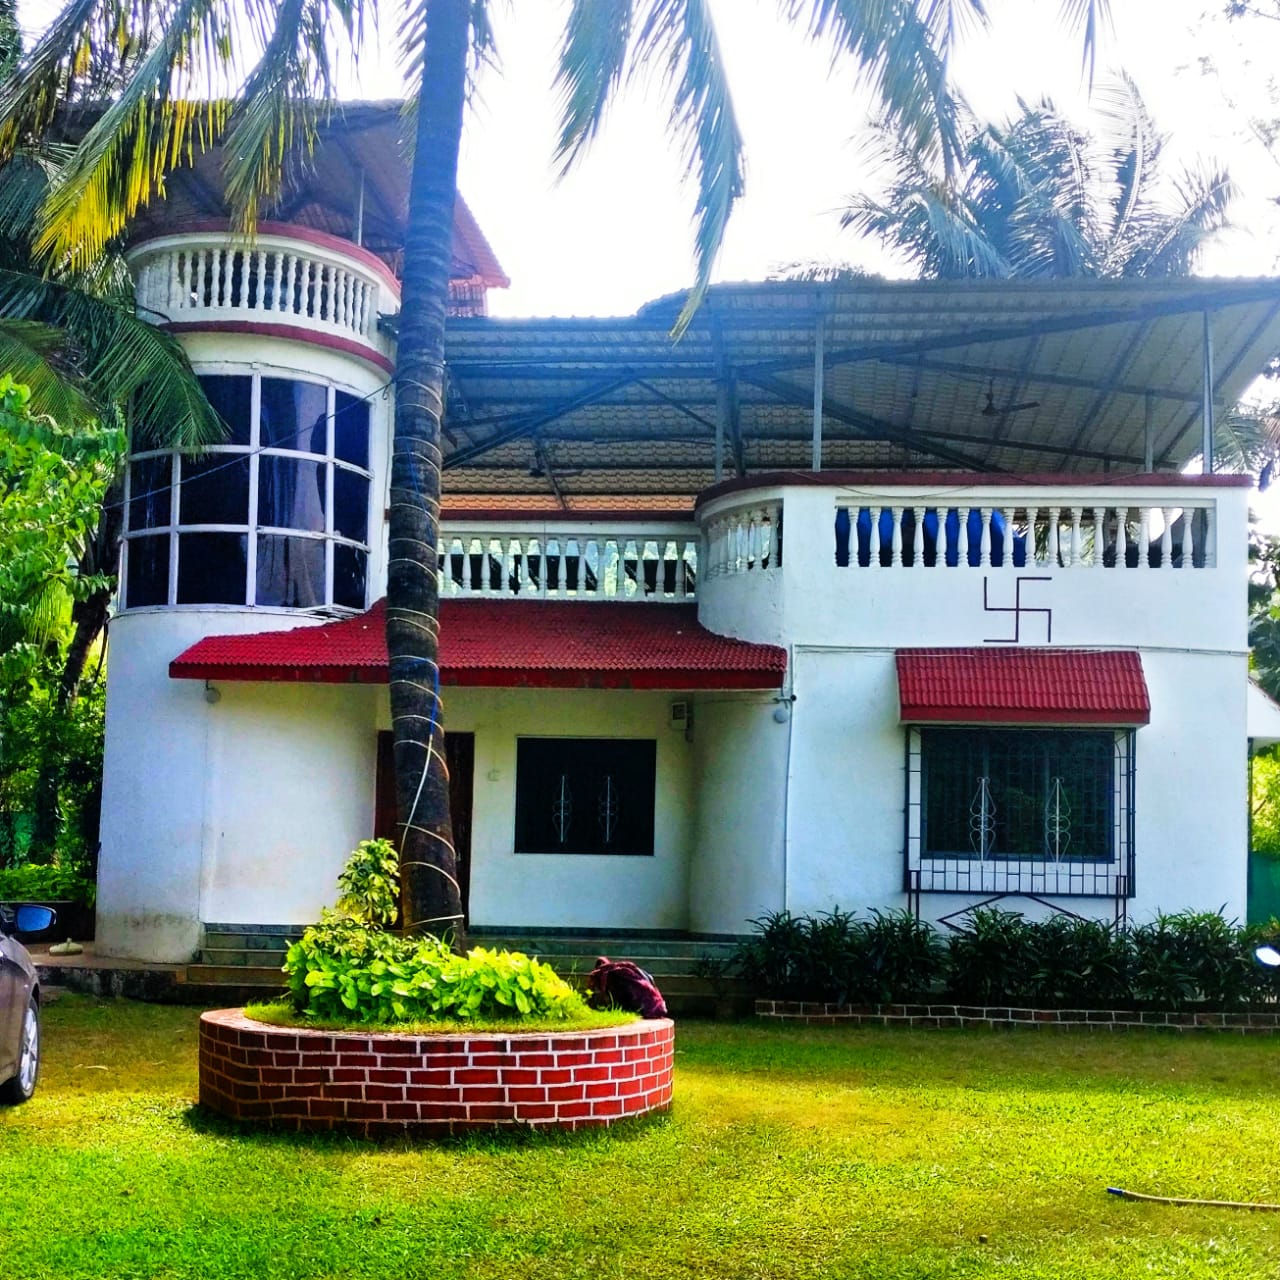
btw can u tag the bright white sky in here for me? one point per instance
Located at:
(617, 231)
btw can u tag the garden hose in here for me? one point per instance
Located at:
(1211, 1204)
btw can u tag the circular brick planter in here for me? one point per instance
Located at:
(384, 1083)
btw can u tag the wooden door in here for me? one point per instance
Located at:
(460, 755)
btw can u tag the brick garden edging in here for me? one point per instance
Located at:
(998, 1017)
(385, 1083)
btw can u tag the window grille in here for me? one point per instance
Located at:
(1029, 811)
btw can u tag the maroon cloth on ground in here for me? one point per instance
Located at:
(620, 984)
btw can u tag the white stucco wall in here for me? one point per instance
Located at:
(291, 777)
(157, 783)
(846, 805)
(741, 761)
(572, 890)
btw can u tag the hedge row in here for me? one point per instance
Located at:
(1185, 961)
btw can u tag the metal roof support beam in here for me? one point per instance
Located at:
(819, 387)
(1000, 374)
(530, 424)
(1045, 325)
(1206, 409)
(1107, 389)
(867, 426)
(1221, 376)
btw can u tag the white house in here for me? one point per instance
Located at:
(877, 595)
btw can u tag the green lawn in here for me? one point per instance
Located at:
(790, 1153)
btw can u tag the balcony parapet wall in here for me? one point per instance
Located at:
(863, 561)
(288, 281)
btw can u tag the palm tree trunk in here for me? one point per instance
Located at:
(430, 897)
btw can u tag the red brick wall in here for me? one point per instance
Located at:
(376, 1084)
(1255, 1022)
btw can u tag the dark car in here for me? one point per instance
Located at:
(19, 1002)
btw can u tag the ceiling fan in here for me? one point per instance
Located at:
(992, 410)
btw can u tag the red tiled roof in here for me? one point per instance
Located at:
(1022, 686)
(503, 644)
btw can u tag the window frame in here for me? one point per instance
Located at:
(1030, 872)
(251, 529)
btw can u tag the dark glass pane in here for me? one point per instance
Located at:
(231, 399)
(349, 567)
(585, 795)
(291, 493)
(351, 429)
(290, 571)
(1008, 793)
(150, 492)
(215, 489)
(350, 505)
(293, 415)
(147, 571)
(211, 568)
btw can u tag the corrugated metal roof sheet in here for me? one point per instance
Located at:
(616, 407)
(1022, 686)
(506, 643)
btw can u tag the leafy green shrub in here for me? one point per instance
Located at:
(34, 882)
(341, 969)
(904, 958)
(995, 960)
(838, 959)
(1194, 957)
(369, 884)
(1080, 964)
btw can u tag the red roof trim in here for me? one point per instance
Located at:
(976, 480)
(293, 332)
(1011, 685)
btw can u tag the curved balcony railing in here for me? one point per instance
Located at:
(297, 278)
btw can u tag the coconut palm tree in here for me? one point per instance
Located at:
(178, 63)
(1039, 197)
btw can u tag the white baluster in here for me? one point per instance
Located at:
(222, 275)
(262, 280)
(917, 538)
(1054, 513)
(1033, 544)
(1077, 542)
(1166, 538)
(1122, 537)
(984, 537)
(895, 546)
(1210, 535)
(1099, 536)
(1188, 537)
(943, 552)
(277, 271)
(962, 540)
(771, 545)
(1006, 560)
(291, 277)
(1144, 537)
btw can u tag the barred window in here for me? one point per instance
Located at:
(1001, 810)
(585, 795)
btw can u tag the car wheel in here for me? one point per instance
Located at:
(23, 1085)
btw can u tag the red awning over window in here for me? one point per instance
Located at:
(1022, 686)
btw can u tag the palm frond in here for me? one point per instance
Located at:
(37, 355)
(282, 101)
(897, 54)
(121, 361)
(593, 60)
(1169, 243)
(1092, 18)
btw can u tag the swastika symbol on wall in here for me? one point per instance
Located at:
(1019, 611)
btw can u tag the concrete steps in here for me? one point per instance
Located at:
(238, 965)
